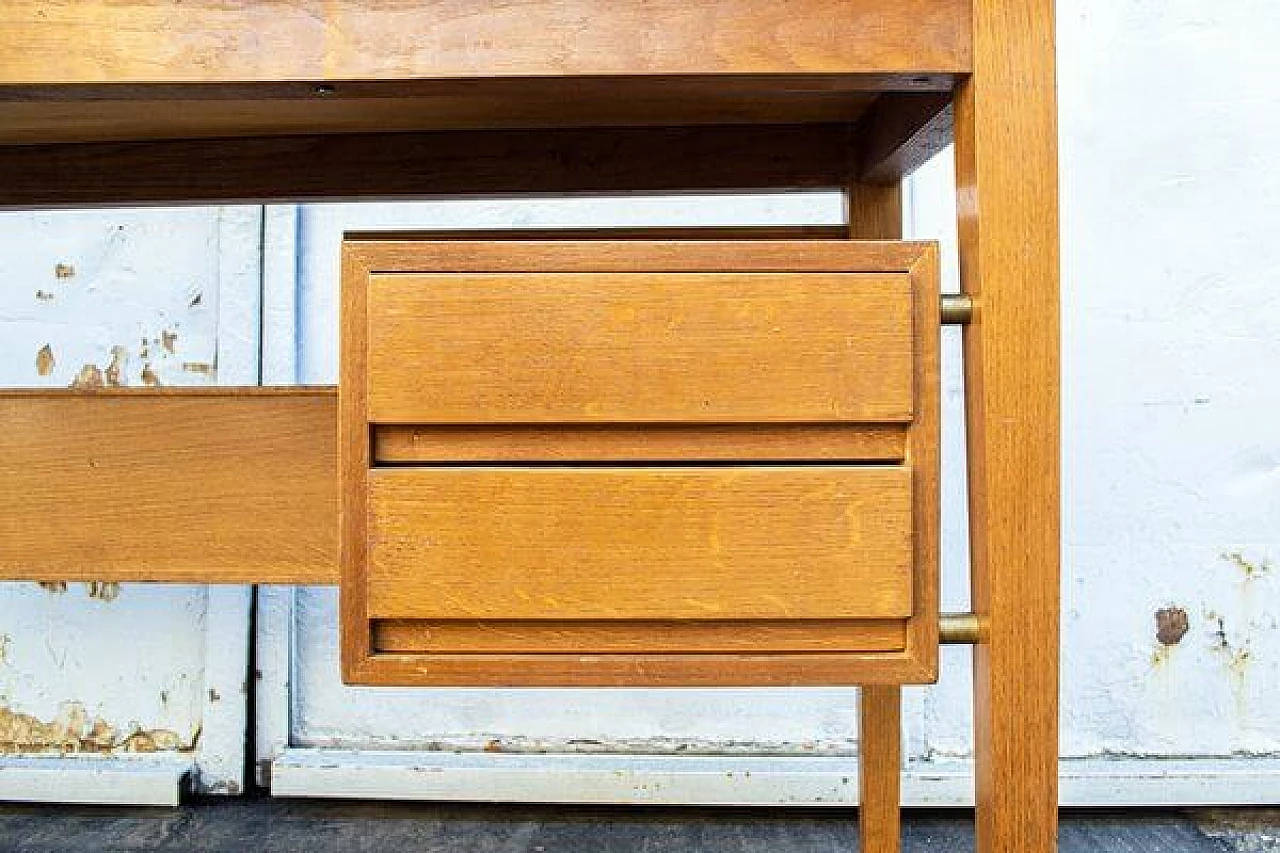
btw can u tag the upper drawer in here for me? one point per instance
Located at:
(729, 347)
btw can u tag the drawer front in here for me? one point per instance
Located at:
(640, 544)
(640, 348)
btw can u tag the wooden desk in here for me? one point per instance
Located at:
(149, 102)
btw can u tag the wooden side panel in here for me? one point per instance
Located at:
(613, 637)
(133, 41)
(573, 348)
(642, 543)
(216, 486)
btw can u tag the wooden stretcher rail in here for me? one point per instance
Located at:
(180, 485)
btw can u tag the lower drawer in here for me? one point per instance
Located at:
(619, 543)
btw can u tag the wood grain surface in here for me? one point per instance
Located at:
(633, 348)
(617, 637)
(393, 647)
(210, 41)
(1006, 170)
(386, 166)
(195, 486)
(640, 543)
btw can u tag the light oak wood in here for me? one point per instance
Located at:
(875, 212)
(387, 166)
(741, 669)
(354, 456)
(117, 113)
(901, 132)
(640, 543)
(880, 769)
(1006, 164)
(369, 256)
(213, 41)
(648, 443)
(182, 485)
(633, 348)
(614, 637)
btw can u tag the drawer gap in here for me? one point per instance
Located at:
(513, 636)
(394, 444)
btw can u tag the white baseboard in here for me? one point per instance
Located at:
(741, 780)
(92, 780)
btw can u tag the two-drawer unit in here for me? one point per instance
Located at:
(611, 462)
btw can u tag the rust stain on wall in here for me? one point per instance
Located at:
(53, 586)
(1172, 625)
(64, 271)
(72, 731)
(45, 362)
(149, 376)
(168, 339)
(44, 295)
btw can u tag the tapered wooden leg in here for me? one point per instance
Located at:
(875, 213)
(1006, 157)
(880, 769)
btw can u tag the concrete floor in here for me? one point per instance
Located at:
(263, 825)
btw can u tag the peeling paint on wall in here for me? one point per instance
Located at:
(200, 367)
(73, 731)
(45, 361)
(1249, 569)
(90, 376)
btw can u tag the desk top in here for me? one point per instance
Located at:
(152, 101)
(109, 70)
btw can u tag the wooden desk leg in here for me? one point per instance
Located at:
(1006, 170)
(875, 213)
(880, 769)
